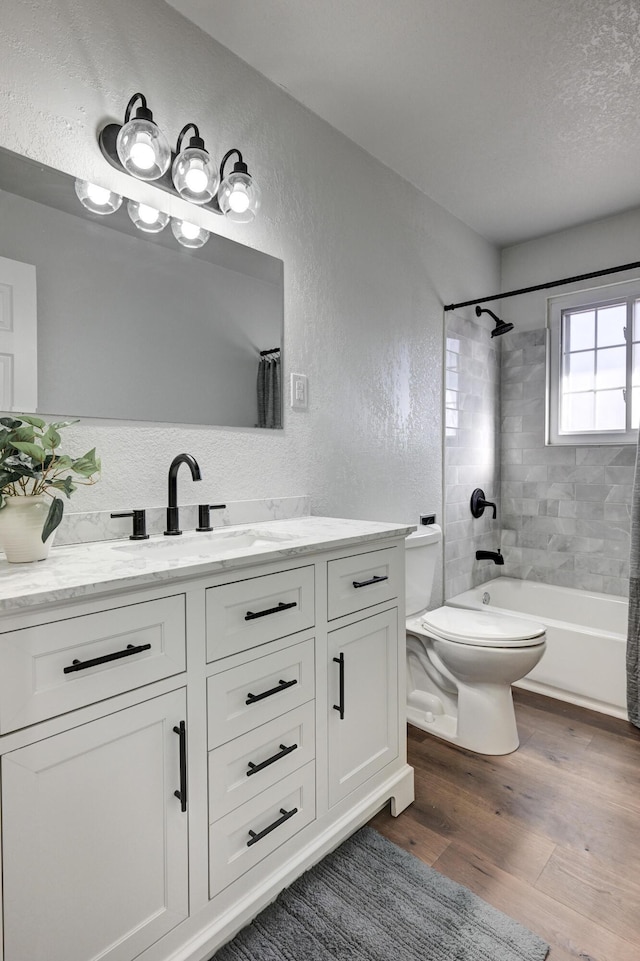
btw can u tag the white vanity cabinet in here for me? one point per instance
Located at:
(94, 840)
(173, 754)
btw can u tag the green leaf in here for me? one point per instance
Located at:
(34, 452)
(23, 434)
(63, 484)
(56, 510)
(34, 421)
(63, 462)
(51, 438)
(86, 465)
(10, 422)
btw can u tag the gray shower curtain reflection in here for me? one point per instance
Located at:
(633, 630)
(268, 386)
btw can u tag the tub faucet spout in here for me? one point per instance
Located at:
(494, 556)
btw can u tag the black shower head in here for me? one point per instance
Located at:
(502, 327)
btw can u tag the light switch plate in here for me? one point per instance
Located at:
(299, 392)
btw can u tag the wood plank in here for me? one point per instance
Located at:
(570, 931)
(409, 834)
(466, 817)
(571, 791)
(584, 883)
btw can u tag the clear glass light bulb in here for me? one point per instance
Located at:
(196, 179)
(147, 214)
(239, 199)
(98, 195)
(190, 231)
(143, 155)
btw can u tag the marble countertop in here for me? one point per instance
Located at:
(80, 570)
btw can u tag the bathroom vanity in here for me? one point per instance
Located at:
(186, 724)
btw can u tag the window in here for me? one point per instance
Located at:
(594, 366)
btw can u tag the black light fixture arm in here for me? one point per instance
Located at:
(142, 111)
(548, 286)
(238, 167)
(195, 141)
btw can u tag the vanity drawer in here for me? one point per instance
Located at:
(250, 833)
(241, 769)
(254, 693)
(247, 613)
(358, 582)
(54, 668)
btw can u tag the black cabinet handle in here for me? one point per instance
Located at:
(130, 649)
(250, 616)
(254, 768)
(181, 731)
(276, 824)
(374, 580)
(282, 686)
(340, 707)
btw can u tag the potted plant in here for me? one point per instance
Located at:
(32, 471)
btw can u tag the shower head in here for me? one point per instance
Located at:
(502, 327)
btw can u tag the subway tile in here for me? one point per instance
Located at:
(599, 564)
(549, 455)
(550, 508)
(616, 585)
(511, 391)
(582, 509)
(583, 582)
(593, 492)
(525, 441)
(511, 424)
(534, 354)
(593, 527)
(566, 473)
(555, 491)
(575, 545)
(511, 455)
(550, 525)
(535, 539)
(617, 548)
(618, 514)
(533, 422)
(619, 494)
(626, 456)
(524, 472)
(603, 456)
(618, 475)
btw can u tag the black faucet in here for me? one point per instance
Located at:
(173, 516)
(494, 556)
(479, 502)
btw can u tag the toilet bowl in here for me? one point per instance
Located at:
(461, 664)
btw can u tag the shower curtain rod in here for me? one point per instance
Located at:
(552, 283)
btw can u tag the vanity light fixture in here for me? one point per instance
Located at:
(140, 148)
(239, 195)
(188, 234)
(99, 200)
(193, 172)
(147, 218)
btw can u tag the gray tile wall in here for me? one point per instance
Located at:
(565, 510)
(471, 450)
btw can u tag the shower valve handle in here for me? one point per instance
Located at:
(479, 502)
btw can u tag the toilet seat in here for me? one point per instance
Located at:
(482, 628)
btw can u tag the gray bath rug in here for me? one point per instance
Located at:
(371, 901)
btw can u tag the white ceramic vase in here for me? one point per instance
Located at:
(21, 523)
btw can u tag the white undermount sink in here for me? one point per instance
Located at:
(211, 544)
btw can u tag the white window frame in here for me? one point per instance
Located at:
(556, 307)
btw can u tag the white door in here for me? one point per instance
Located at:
(18, 336)
(94, 840)
(363, 701)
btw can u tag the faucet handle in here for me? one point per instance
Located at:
(139, 524)
(204, 521)
(479, 502)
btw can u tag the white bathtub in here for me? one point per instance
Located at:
(586, 639)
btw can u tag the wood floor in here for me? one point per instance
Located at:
(549, 834)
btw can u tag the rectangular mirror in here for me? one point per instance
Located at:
(130, 325)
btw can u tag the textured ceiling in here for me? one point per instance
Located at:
(519, 116)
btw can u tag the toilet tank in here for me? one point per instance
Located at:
(422, 550)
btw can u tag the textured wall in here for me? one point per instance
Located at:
(471, 449)
(368, 259)
(565, 510)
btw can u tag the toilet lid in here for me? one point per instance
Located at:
(482, 628)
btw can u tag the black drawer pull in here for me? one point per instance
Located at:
(276, 824)
(254, 768)
(282, 686)
(181, 731)
(374, 580)
(250, 616)
(340, 707)
(77, 665)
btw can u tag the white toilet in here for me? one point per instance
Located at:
(461, 663)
